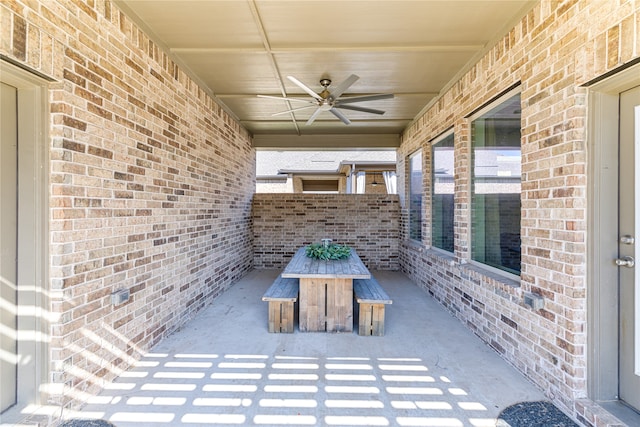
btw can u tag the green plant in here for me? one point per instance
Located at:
(327, 252)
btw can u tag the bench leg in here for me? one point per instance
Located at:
(281, 316)
(371, 319)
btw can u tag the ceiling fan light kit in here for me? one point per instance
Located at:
(330, 101)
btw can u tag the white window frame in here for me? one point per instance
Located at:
(431, 193)
(409, 192)
(477, 114)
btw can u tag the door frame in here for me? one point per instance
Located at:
(602, 240)
(33, 235)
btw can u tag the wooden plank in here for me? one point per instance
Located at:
(281, 296)
(274, 317)
(371, 319)
(305, 305)
(371, 299)
(370, 291)
(320, 289)
(296, 264)
(364, 319)
(345, 305)
(313, 316)
(377, 320)
(282, 289)
(332, 294)
(302, 266)
(339, 305)
(281, 316)
(286, 317)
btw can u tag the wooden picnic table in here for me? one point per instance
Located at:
(326, 290)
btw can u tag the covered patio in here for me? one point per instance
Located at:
(428, 370)
(135, 248)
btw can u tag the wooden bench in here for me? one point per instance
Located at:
(371, 300)
(281, 295)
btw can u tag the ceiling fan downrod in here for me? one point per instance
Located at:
(325, 94)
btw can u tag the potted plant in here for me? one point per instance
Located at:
(327, 250)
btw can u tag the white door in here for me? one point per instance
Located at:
(8, 245)
(629, 248)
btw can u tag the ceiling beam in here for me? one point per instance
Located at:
(324, 142)
(310, 49)
(253, 95)
(272, 60)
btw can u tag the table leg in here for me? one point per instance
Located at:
(313, 306)
(339, 305)
(326, 305)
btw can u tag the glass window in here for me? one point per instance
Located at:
(442, 194)
(415, 196)
(495, 196)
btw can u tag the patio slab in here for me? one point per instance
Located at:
(224, 368)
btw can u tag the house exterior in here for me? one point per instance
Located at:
(132, 193)
(350, 172)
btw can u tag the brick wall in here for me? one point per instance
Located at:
(151, 185)
(550, 53)
(282, 223)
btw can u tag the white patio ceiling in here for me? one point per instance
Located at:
(238, 49)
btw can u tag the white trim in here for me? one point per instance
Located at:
(435, 142)
(602, 299)
(485, 109)
(636, 255)
(33, 235)
(419, 151)
(360, 182)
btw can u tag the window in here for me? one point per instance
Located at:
(495, 196)
(415, 196)
(442, 192)
(320, 185)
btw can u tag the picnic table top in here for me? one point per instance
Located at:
(302, 266)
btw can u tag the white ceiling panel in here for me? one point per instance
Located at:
(199, 24)
(239, 49)
(234, 72)
(383, 23)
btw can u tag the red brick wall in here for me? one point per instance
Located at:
(555, 49)
(282, 223)
(151, 185)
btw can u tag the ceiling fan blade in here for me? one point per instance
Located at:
(305, 88)
(293, 110)
(341, 116)
(313, 116)
(282, 98)
(342, 87)
(366, 98)
(356, 108)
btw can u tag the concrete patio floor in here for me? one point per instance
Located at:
(224, 368)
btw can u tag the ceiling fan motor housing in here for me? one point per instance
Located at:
(325, 94)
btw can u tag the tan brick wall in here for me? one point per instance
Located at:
(282, 223)
(151, 185)
(554, 50)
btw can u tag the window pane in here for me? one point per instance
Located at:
(442, 195)
(415, 196)
(495, 199)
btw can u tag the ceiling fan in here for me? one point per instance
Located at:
(331, 101)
